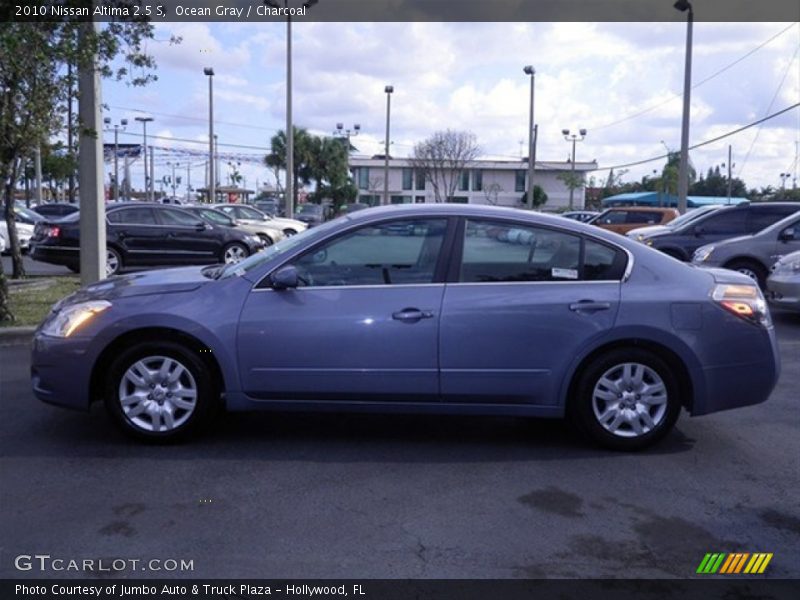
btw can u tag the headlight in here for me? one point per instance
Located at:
(68, 319)
(703, 253)
(787, 267)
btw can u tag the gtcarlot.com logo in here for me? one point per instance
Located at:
(734, 563)
(45, 562)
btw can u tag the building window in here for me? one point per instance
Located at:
(408, 176)
(420, 179)
(419, 200)
(519, 181)
(363, 178)
(370, 199)
(458, 199)
(477, 180)
(401, 200)
(463, 181)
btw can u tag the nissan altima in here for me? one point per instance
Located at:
(418, 309)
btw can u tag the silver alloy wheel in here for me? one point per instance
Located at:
(234, 254)
(157, 394)
(749, 272)
(112, 263)
(629, 400)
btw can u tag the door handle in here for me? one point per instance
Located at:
(412, 315)
(589, 306)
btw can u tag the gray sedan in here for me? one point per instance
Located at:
(755, 254)
(783, 284)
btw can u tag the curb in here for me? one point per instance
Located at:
(16, 335)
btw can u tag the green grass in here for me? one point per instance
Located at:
(31, 301)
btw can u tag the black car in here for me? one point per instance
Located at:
(727, 222)
(145, 235)
(56, 209)
(312, 214)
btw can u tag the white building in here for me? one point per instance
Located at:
(500, 182)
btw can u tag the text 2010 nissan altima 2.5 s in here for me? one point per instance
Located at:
(425, 309)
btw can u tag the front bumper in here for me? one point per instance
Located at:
(61, 370)
(784, 291)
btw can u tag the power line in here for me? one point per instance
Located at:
(199, 119)
(698, 84)
(707, 142)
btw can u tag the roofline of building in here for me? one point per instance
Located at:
(356, 161)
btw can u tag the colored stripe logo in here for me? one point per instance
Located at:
(734, 563)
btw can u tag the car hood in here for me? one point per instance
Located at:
(161, 281)
(731, 241)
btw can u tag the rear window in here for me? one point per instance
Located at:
(762, 217)
(731, 222)
(644, 217)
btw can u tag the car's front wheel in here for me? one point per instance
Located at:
(752, 269)
(626, 399)
(234, 253)
(113, 261)
(159, 391)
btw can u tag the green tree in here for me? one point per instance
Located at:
(539, 196)
(329, 168)
(303, 153)
(35, 87)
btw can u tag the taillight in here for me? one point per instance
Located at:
(52, 232)
(744, 301)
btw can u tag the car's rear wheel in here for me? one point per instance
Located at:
(752, 269)
(159, 391)
(626, 399)
(113, 261)
(234, 253)
(266, 239)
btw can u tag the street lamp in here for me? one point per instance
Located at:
(574, 138)
(346, 134)
(529, 70)
(389, 89)
(683, 170)
(212, 188)
(289, 127)
(784, 177)
(148, 181)
(122, 125)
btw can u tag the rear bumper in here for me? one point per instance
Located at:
(56, 255)
(741, 384)
(61, 371)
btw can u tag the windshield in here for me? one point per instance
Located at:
(285, 245)
(215, 217)
(690, 216)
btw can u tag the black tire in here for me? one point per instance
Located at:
(582, 405)
(234, 247)
(289, 232)
(751, 268)
(206, 401)
(266, 239)
(74, 268)
(113, 261)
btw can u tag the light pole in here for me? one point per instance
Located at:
(389, 89)
(784, 177)
(683, 169)
(289, 127)
(730, 166)
(148, 181)
(574, 138)
(122, 125)
(346, 134)
(174, 180)
(529, 70)
(212, 188)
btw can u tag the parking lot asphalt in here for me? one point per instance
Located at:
(323, 496)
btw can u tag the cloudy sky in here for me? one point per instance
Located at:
(620, 81)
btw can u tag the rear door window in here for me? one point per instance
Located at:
(731, 223)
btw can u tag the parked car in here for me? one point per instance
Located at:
(783, 283)
(2, 244)
(640, 233)
(721, 224)
(269, 206)
(754, 254)
(624, 218)
(311, 214)
(24, 235)
(581, 322)
(248, 214)
(55, 209)
(142, 234)
(268, 235)
(25, 215)
(580, 215)
(346, 209)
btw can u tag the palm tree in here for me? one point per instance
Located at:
(303, 154)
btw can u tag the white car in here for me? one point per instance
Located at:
(2, 244)
(244, 213)
(24, 234)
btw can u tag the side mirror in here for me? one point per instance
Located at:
(200, 226)
(284, 278)
(787, 235)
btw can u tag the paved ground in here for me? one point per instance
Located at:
(305, 496)
(33, 267)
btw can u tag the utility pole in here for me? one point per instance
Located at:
(529, 70)
(92, 206)
(389, 89)
(38, 168)
(683, 168)
(188, 180)
(151, 192)
(730, 166)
